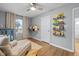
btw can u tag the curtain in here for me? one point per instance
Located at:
(11, 23)
(25, 27)
(10, 20)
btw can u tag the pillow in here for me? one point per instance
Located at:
(4, 41)
(1, 53)
(5, 46)
(13, 43)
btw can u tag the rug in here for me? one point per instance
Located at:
(34, 49)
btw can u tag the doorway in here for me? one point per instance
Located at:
(45, 29)
(76, 20)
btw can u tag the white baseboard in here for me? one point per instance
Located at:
(62, 47)
(35, 38)
(55, 45)
(29, 37)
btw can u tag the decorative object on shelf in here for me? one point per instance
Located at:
(35, 28)
(58, 24)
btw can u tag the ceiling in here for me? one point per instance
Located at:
(20, 8)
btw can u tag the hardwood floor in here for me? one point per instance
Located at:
(49, 50)
(77, 47)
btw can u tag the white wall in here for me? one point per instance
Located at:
(63, 42)
(2, 18)
(37, 21)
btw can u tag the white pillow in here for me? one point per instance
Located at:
(4, 41)
(5, 46)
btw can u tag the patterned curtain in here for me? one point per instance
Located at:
(10, 20)
(25, 27)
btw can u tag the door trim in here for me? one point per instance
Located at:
(73, 28)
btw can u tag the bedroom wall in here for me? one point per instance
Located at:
(34, 21)
(2, 18)
(66, 42)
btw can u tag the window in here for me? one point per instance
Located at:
(19, 24)
(19, 28)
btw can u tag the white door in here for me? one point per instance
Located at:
(45, 29)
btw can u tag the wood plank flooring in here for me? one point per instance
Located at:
(49, 50)
(77, 47)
